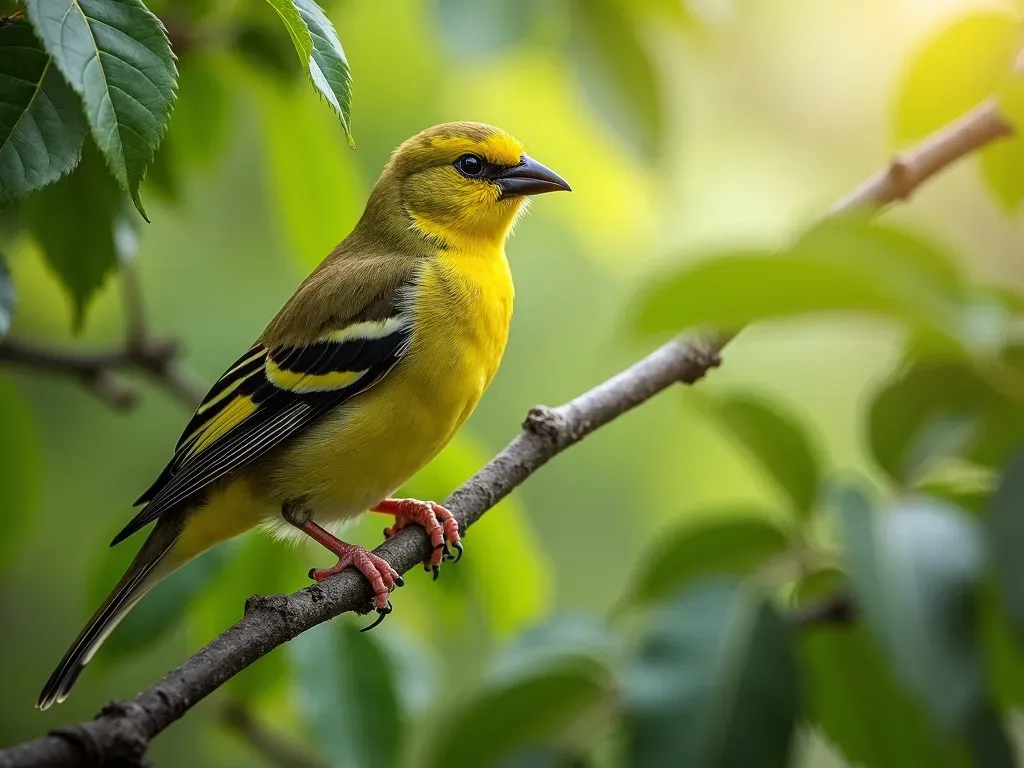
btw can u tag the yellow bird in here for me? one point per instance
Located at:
(363, 376)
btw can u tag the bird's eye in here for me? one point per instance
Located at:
(470, 165)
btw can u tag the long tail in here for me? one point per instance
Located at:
(141, 576)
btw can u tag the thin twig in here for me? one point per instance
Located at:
(123, 730)
(99, 371)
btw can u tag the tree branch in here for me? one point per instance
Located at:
(982, 125)
(123, 730)
(98, 371)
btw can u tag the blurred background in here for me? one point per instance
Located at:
(696, 126)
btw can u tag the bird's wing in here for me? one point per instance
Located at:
(273, 392)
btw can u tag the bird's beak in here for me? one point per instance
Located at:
(529, 178)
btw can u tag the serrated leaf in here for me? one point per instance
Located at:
(927, 413)
(346, 692)
(1006, 539)
(41, 126)
(484, 27)
(616, 72)
(914, 576)
(321, 54)
(854, 697)
(73, 223)
(161, 611)
(116, 55)
(719, 544)
(19, 471)
(542, 683)
(961, 65)
(776, 442)
(713, 684)
(7, 297)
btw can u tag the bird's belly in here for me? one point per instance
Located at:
(364, 450)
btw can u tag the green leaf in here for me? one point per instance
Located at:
(616, 72)
(859, 240)
(321, 55)
(914, 575)
(158, 613)
(713, 683)
(550, 643)
(73, 223)
(41, 128)
(116, 56)
(1006, 542)
(854, 697)
(928, 412)
(721, 543)
(481, 27)
(7, 297)
(542, 683)
(346, 692)
(20, 459)
(960, 66)
(841, 266)
(776, 442)
(1002, 170)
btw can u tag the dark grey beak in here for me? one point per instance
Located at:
(529, 178)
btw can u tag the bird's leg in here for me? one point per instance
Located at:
(440, 525)
(382, 577)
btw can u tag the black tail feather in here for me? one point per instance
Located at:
(137, 580)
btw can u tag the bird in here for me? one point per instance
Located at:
(362, 377)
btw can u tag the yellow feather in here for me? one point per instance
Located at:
(299, 382)
(237, 412)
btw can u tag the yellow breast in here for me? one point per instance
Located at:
(370, 446)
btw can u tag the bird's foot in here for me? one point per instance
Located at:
(382, 577)
(440, 525)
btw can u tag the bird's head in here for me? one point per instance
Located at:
(463, 182)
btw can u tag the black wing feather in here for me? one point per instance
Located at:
(281, 414)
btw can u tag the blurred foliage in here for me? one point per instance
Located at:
(631, 605)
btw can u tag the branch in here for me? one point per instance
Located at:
(98, 371)
(123, 730)
(982, 125)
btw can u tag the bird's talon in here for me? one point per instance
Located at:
(460, 549)
(437, 571)
(399, 581)
(382, 614)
